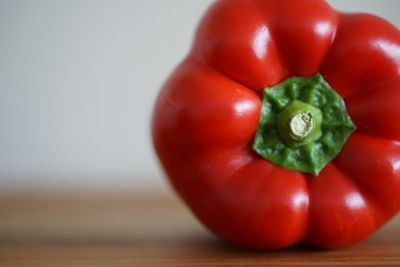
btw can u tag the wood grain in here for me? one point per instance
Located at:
(150, 231)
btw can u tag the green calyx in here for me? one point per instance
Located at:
(303, 124)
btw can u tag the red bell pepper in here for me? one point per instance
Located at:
(282, 124)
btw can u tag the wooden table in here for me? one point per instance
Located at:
(149, 231)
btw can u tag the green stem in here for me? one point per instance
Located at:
(299, 123)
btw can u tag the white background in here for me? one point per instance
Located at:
(77, 83)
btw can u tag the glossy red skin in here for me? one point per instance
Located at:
(207, 113)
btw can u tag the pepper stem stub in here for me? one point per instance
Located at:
(299, 123)
(300, 126)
